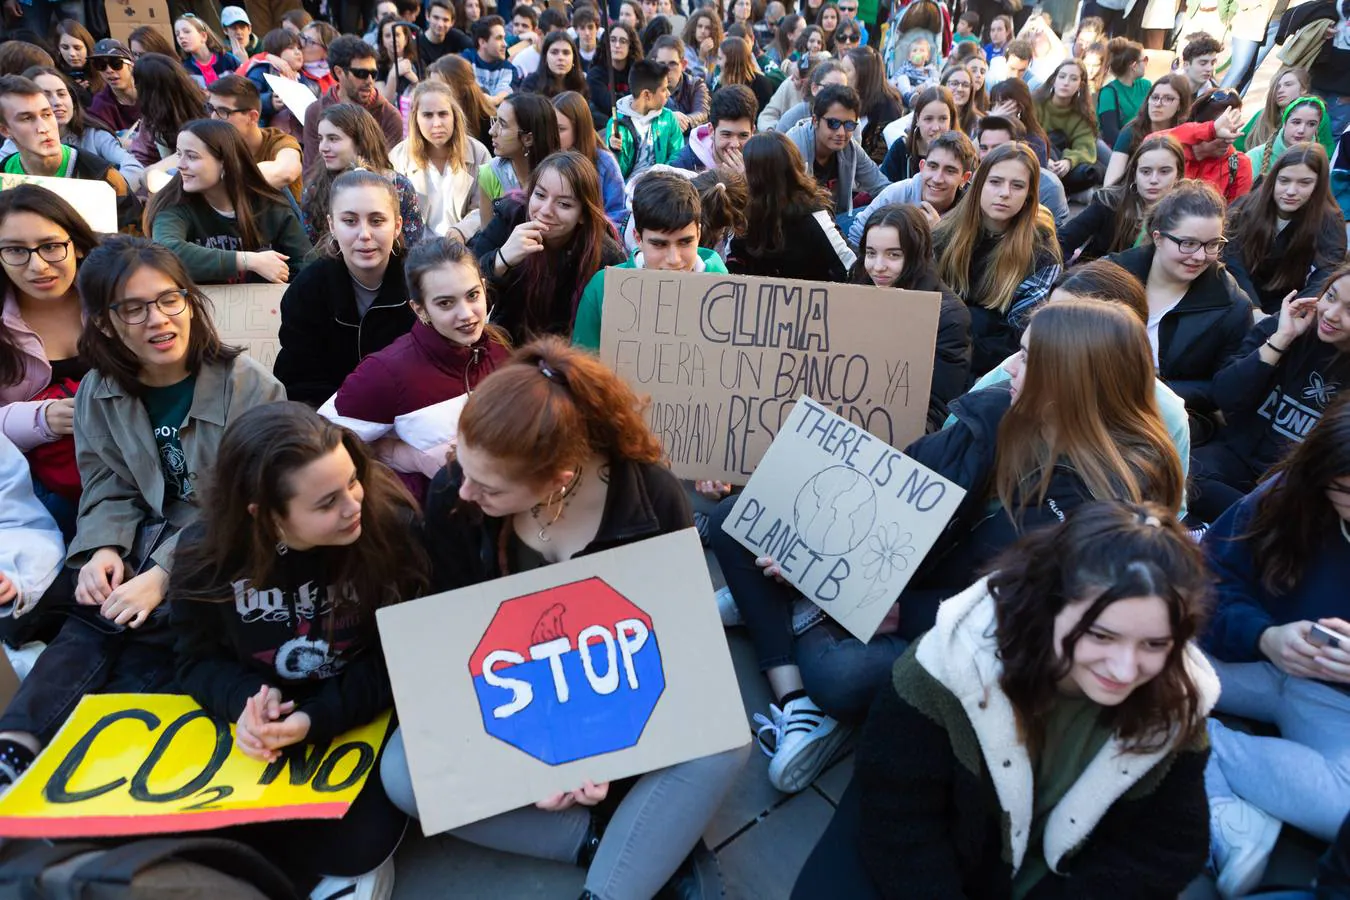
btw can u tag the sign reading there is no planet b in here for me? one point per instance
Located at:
(847, 517)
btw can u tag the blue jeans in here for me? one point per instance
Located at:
(840, 673)
(654, 827)
(1301, 777)
(1338, 108)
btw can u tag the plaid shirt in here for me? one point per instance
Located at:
(1031, 293)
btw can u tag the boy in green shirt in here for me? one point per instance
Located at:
(645, 133)
(666, 217)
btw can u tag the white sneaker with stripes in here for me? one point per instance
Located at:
(800, 741)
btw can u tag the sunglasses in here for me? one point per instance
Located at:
(364, 74)
(849, 125)
(105, 63)
(848, 39)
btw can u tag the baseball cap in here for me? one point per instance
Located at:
(111, 47)
(233, 15)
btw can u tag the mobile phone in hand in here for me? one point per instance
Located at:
(1319, 636)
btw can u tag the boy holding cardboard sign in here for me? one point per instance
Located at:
(666, 217)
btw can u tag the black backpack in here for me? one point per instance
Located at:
(168, 868)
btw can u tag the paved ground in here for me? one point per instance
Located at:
(761, 837)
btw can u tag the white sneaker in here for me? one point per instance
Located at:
(800, 741)
(377, 884)
(1241, 837)
(727, 608)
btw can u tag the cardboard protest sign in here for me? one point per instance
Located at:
(601, 667)
(125, 16)
(846, 517)
(249, 316)
(96, 201)
(154, 763)
(724, 357)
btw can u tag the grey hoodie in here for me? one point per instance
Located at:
(857, 172)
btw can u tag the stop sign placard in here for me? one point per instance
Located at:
(568, 673)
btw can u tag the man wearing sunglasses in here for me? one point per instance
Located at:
(116, 104)
(830, 152)
(27, 119)
(354, 67)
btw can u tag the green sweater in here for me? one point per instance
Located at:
(586, 328)
(1124, 101)
(1082, 148)
(209, 243)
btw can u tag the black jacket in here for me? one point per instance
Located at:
(1328, 255)
(951, 356)
(1201, 334)
(812, 250)
(965, 453)
(1270, 408)
(644, 500)
(1092, 229)
(514, 306)
(322, 336)
(284, 635)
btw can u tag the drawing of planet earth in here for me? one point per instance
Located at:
(835, 511)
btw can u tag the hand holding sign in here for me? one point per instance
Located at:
(840, 515)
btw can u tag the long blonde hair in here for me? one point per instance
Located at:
(459, 136)
(1271, 120)
(1030, 233)
(1102, 421)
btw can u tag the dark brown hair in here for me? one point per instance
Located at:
(1294, 519)
(1123, 199)
(1105, 551)
(1253, 221)
(435, 253)
(168, 96)
(249, 192)
(550, 407)
(258, 454)
(1141, 126)
(916, 243)
(29, 198)
(101, 281)
(72, 28)
(780, 189)
(152, 40)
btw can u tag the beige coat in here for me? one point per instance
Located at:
(119, 462)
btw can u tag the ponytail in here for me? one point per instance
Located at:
(552, 406)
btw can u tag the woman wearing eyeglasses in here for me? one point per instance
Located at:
(148, 420)
(221, 217)
(618, 51)
(790, 231)
(1197, 314)
(1167, 105)
(42, 242)
(314, 41)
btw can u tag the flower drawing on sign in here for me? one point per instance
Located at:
(888, 551)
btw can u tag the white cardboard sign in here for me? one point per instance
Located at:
(847, 517)
(96, 201)
(248, 316)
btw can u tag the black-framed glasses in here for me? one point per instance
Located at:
(52, 252)
(134, 312)
(500, 124)
(849, 125)
(222, 112)
(364, 74)
(1188, 246)
(113, 63)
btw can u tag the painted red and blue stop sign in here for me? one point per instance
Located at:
(568, 673)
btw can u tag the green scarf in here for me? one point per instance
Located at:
(14, 165)
(1277, 146)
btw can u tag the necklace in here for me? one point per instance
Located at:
(564, 499)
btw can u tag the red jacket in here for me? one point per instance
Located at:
(1230, 175)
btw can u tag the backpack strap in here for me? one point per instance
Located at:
(122, 864)
(23, 865)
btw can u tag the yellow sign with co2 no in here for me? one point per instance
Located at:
(150, 763)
